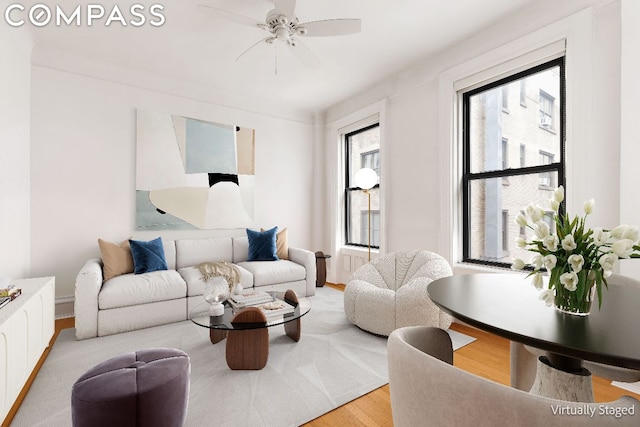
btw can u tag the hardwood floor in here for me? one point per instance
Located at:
(487, 357)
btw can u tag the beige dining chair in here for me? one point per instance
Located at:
(427, 390)
(524, 357)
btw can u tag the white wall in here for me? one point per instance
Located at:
(15, 66)
(414, 170)
(417, 183)
(630, 124)
(83, 168)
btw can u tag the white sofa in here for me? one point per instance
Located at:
(135, 301)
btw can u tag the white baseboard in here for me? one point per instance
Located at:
(64, 306)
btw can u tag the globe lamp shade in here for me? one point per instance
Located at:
(366, 178)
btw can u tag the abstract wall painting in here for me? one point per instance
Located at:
(193, 174)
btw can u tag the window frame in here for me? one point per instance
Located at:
(469, 177)
(523, 93)
(505, 229)
(505, 152)
(348, 188)
(545, 101)
(372, 153)
(546, 155)
(505, 99)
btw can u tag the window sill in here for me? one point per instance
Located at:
(358, 250)
(548, 129)
(470, 268)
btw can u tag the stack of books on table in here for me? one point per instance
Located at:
(277, 308)
(248, 298)
(8, 294)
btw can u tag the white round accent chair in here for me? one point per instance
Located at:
(391, 292)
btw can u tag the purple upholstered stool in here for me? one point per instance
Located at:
(145, 388)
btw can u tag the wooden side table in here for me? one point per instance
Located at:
(321, 268)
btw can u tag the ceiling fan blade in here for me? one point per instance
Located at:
(252, 46)
(305, 55)
(286, 7)
(230, 16)
(332, 27)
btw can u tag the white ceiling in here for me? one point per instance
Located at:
(200, 48)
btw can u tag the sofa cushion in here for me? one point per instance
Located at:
(282, 244)
(262, 245)
(116, 258)
(190, 252)
(136, 289)
(147, 256)
(169, 253)
(195, 285)
(240, 249)
(274, 272)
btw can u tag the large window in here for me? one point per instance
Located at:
(491, 138)
(375, 226)
(362, 149)
(547, 178)
(546, 110)
(371, 160)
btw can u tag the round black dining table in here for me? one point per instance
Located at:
(507, 305)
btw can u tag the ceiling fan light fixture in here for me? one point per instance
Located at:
(282, 25)
(282, 34)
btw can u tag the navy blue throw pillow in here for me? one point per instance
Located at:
(262, 245)
(148, 256)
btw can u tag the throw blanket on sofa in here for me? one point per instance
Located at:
(220, 269)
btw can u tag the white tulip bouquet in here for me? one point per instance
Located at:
(578, 259)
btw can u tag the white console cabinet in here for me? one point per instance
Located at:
(27, 325)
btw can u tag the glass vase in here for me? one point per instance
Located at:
(216, 291)
(568, 302)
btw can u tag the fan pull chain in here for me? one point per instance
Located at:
(275, 60)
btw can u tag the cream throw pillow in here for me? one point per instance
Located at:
(117, 258)
(282, 246)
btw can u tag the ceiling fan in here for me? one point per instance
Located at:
(283, 27)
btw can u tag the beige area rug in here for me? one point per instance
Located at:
(333, 363)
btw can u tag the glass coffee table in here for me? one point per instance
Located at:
(247, 329)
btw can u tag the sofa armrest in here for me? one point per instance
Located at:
(307, 259)
(88, 285)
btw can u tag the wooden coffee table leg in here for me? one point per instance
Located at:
(217, 335)
(248, 348)
(292, 328)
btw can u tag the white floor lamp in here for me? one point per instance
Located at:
(366, 179)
